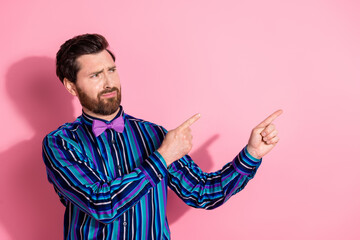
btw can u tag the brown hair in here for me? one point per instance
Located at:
(66, 65)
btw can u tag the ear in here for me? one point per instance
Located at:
(70, 86)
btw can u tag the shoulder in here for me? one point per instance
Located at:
(67, 132)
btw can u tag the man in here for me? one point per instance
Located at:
(111, 170)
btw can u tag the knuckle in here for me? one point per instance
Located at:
(272, 134)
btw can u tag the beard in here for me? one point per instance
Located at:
(100, 106)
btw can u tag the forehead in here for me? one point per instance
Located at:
(94, 62)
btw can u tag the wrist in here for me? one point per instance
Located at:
(163, 154)
(252, 152)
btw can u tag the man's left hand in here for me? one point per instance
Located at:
(264, 137)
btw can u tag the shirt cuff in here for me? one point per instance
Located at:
(246, 164)
(154, 168)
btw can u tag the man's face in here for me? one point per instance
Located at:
(98, 83)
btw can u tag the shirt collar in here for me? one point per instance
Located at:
(88, 120)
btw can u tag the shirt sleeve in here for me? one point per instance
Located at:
(210, 190)
(102, 198)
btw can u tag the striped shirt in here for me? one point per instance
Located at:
(114, 186)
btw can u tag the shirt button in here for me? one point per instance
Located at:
(124, 223)
(160, 176)
(113, 141)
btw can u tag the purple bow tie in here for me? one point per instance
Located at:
(99, 127)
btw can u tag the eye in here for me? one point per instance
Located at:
(112, 69)
(95, 75)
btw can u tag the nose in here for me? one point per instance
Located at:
(107, 81)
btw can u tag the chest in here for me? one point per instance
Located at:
(115, 154)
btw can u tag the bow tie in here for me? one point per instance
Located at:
(99, 127)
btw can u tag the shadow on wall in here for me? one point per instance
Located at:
(29, 207)
(201, 156)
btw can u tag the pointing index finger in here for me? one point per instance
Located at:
(190, 121)
(270, 119)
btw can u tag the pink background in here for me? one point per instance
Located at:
(235, 62)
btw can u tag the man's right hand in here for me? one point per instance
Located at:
(178, 142)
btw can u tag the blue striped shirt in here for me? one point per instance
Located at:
(115, 186)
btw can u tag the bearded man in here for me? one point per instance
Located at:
(112, 171)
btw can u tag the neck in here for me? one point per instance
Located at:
(104, 117)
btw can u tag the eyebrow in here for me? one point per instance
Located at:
(98, 72)
(93, 73)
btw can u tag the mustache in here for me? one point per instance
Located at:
(109, 90)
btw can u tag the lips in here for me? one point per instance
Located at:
(109, 94)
